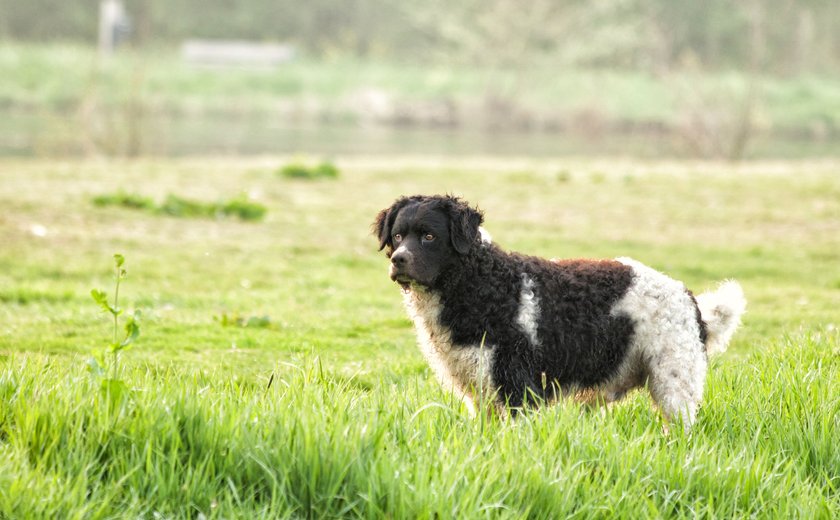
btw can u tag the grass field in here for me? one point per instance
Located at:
(276, 373)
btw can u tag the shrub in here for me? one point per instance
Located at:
(175, 206)
(243, 208)
(238, 320)
(296, 170)
(125, 200)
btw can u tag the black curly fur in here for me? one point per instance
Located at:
(581, 343)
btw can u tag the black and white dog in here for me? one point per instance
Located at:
(510, 330)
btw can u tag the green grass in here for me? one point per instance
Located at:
(352, 423)
(193, 442)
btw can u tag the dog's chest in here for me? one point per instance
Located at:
(465, 368)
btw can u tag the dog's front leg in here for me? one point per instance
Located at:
(516, 386)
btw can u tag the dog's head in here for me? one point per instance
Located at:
(423, 235)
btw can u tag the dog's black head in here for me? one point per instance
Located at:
(423, 235)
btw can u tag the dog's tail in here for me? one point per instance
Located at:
(721, 311)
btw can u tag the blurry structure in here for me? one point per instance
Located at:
(114, 25)
(226, 53)
(718, 79)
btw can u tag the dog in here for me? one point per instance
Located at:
(506, 331)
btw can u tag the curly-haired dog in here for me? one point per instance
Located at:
(512, 329)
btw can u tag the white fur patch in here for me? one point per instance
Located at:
(666, 344)
(485, 235)
(529, 310)
(721, 310)
(464, 369)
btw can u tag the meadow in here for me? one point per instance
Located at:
(62, 76)
(276, 374)
(60, 99)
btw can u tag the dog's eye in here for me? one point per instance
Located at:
(428, 237)
(397, 238)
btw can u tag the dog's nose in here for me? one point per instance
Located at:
(400, 258)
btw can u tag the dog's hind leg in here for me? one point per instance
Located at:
(676, 385)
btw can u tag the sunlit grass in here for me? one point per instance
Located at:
(191, 442)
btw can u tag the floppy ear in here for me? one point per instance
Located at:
(385, 221)
(381, 229)
(382, 226)
(463, 225)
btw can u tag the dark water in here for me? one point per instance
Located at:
(24, 134)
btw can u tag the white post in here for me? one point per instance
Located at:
(111, 14)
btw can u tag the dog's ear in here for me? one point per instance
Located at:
(382, 226)
(381, 229)
(464, 222)
(385, 221)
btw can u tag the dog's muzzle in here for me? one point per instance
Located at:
(400, 260)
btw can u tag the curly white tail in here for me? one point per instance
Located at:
(721, 310)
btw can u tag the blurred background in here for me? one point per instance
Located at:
(722, 79)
